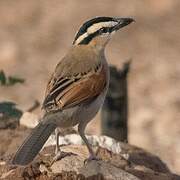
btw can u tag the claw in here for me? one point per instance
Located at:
(91, 158)
(60, 155)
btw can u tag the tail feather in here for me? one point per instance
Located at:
(33, 144)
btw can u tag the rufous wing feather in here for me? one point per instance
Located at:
(85, 88)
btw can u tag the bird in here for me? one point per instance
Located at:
(77, 88)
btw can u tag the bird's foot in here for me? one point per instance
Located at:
(91, 158)
(60, 155)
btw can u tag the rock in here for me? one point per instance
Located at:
(123, 161)
(107, 170)
(110, 166)
(102, 141)
(29, 120)
(130, 153)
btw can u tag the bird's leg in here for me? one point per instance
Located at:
(58, 153)
(57, 133)
(81, 129)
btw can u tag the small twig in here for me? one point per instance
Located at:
(34, 106)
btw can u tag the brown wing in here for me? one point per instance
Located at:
(67, 92)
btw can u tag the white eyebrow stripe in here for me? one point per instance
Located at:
(80, 38)
(95, 27)
(98, 26)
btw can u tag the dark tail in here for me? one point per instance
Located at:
(33, 144)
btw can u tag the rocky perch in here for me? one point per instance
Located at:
(120, 162)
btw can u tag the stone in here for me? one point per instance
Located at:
(29, 120)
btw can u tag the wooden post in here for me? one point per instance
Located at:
(114, 120)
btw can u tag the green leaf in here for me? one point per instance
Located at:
(9, 81)
(3, 78)
(9, 109)
(13, 80)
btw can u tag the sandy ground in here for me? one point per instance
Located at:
(34, 35)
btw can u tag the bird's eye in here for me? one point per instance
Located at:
(103, 30)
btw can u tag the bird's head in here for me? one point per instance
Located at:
(98, 30)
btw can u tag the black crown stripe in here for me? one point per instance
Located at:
(89, 23)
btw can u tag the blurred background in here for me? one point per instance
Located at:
(35, 35)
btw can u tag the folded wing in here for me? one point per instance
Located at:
(69, 91)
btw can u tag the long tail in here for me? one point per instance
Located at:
(33, 144)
